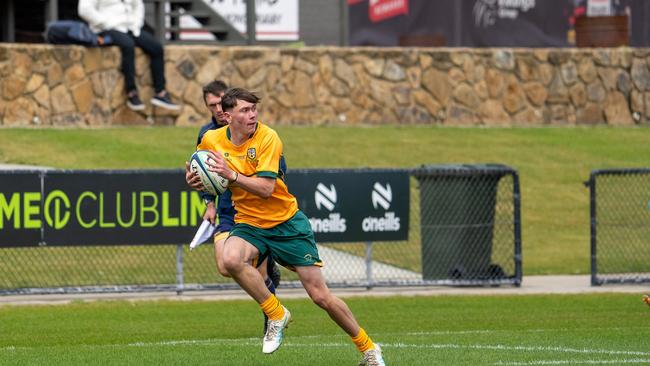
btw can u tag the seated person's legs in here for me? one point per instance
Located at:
(156, 53)
(127, 49)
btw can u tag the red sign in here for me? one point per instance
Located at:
(384, 9)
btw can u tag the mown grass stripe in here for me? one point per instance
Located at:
(289, 343)
(576, 362)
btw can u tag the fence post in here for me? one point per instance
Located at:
(179, 269)
(159, 21)
(251, 22)
(519, 273)
(344, 25)
(369, 282)
(592, 228)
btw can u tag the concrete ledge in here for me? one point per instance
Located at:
(532, 285)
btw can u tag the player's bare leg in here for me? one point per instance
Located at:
(238, 256)
(219, 243)
(218, 258)
(218, 254)
(314, 283)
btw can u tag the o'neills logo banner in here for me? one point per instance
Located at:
(353, 205)
(382, 198)
(379, 10)
(325, 199)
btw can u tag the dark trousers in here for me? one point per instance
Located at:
(127, 43)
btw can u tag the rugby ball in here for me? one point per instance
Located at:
(213, 183)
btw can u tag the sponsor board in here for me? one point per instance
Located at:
(276, 20)
(353, 205)
(97, 208)
(108, 207)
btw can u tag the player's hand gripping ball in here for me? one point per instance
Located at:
(212, 182)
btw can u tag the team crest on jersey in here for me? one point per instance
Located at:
(251, 154)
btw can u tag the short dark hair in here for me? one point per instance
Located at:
(215, 87)
(229, 100)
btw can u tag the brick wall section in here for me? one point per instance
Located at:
(70, 85)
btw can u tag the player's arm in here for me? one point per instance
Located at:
(260, 186)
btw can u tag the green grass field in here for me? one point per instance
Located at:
(552, 163)
(441, 330)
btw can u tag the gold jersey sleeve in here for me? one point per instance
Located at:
(258, 157)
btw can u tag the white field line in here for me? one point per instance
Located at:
(575, 362)
(488, 331)
(290, 343)
(501, 347)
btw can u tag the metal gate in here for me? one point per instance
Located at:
(620, 225)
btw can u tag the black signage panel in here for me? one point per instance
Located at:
(346, 205)
(119, 207)
(20, 208)
(106, 207)
(482, 23)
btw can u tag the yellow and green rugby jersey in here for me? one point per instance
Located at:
(259, 156)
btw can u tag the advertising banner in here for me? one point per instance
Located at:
(385, 9)
(485, 23)
(277, 20)
(120, 207)
(353, 205)
(517, 23)
(20, 208)
(97, 208)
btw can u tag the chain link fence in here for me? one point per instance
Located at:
(470, 224)
(620, 226)
(464, 229)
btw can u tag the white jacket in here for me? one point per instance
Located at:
(120, 15)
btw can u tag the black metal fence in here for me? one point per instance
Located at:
(463, 229)
(620, 226)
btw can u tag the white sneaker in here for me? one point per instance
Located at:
(165, 101)
(275, 332)
(372, 357)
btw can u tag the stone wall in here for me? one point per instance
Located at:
(71, 85)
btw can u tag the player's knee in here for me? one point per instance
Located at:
(231, 263)
(323, 300)
(221, 268)
(223, 271)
